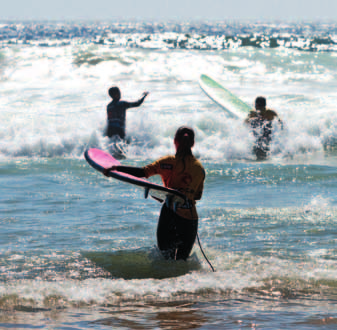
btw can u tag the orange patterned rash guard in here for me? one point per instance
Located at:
(185, 175)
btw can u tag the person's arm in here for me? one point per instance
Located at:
(278, 119)
(139, 102)
(132, 170)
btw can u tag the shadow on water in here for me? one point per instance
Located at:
(141, 264)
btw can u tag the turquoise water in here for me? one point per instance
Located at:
(78, 250)
(77, 246)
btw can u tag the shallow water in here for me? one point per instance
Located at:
(78, 250)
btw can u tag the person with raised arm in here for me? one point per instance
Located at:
(116, 112)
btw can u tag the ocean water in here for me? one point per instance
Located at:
(78, 250)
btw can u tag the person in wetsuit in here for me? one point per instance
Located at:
(177, 229)
(260, 120)
(116, 111)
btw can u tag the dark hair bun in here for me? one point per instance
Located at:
(185, 136)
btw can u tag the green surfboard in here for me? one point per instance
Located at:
(223, 97)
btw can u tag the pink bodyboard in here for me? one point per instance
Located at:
(100, 160)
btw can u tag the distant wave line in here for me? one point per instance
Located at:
(199, 36)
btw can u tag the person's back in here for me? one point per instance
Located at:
(261, 122)
(185, 174)
(116, 111)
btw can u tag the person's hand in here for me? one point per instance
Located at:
(107, 170)
(146, 94)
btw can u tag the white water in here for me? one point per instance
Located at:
(52, 106)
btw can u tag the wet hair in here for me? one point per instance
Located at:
(261, 101)
(185, 138)
(114, 93)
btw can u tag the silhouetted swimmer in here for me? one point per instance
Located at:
(116, 111)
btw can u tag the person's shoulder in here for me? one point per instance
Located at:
(271, 114)
(252, 114)
(165, 162)
(115, 102)
(271, 111)
(200, 168)
(168, 158)
(197, 163)
(122, 102)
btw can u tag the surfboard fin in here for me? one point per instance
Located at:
(168, 200)
(146, 193)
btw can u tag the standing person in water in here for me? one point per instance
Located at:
(177, 230)
(116, 111)
(260, 120)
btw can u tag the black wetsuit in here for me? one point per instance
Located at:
(177, 229)
(262, 130)
(175, 234)
(116, 111)
(262, 127)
